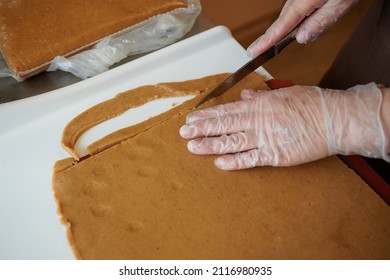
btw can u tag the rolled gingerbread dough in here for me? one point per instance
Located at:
(144, 196)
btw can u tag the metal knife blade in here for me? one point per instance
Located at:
(249, 67)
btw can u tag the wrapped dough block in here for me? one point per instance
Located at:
(34, 32)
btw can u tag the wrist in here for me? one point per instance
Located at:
(359, 121)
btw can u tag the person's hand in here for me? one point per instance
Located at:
(321, 15)
(289, 126)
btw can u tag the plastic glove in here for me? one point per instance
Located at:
(321, 15)
(289, 126)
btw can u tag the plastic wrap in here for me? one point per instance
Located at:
(4, 71)
(149, 35)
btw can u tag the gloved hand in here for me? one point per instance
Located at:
(321, 15)
(289, 126)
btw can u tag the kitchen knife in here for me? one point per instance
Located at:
(249, 67)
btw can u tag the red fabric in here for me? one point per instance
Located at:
(275, 84)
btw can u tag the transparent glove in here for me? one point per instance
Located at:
(289, 126)
(321, 15)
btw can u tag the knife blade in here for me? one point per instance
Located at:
(249, 67)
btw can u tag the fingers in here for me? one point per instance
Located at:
(322, 19)
(218, 111)
(232, 108)
(245, 160)
(280, 94)
(292, 14)
(222, 119)
(217, 126)
(241, 116)
(225, 144)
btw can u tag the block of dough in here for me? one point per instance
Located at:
(141, 195)
(33, 32)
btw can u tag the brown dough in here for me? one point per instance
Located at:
(149, 198)
(33, 32)
(130, 99)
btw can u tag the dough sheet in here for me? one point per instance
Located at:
(144, 196)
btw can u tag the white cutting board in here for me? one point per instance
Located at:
(30, 134)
